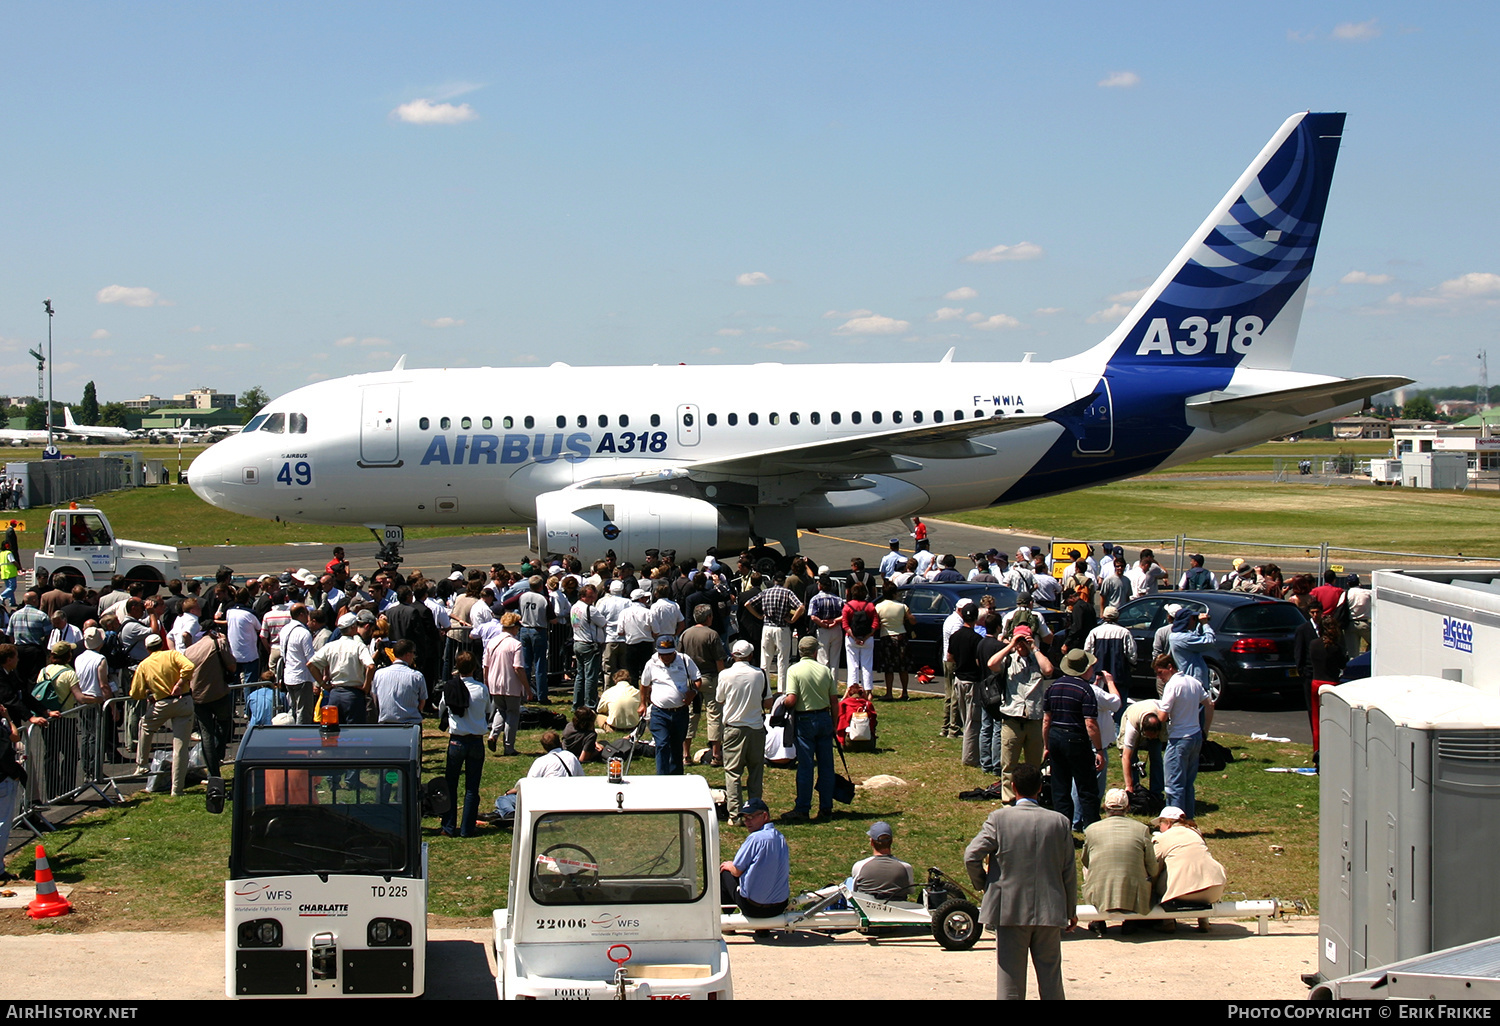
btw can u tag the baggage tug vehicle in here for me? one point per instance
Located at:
(327, 889)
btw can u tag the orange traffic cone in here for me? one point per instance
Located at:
(48, 902)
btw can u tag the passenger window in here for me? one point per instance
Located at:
(466, 423)
(937, 416)
(562, 421)
(509, 422)
(487, 423)
(958, 414)
(775, 418)
(530, 423)
(796, 418)
(916, 417)
(734, 418)
(603, 420)
(854, 417)
(424, 423)
(754, 419)
(713, 420)
(875, 417)
(297, 423)
(815, 417)
(624, 420)
(837, 416)
(583, 420)
(656, 420)
(445, 423)
(896, 417)
(687, 420)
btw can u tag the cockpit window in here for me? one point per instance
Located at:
(255, 422)
(297, 424)
(275, 423)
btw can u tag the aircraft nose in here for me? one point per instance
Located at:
(206, 476)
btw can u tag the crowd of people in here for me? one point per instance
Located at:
(755, 655)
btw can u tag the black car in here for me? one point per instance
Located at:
(931, 604)
(1253, 635)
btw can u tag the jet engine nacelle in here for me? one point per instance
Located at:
(587, 522)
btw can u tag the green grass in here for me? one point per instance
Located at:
(1261, 459)
(158, 862)
(173, 515)
(1402, 519)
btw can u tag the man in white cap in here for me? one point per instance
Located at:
(613, 606)
(744, 690)
(635, 629)
(344, 669)
(1118, 862)
(668, 686)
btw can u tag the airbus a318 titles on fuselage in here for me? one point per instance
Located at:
(1200, 366)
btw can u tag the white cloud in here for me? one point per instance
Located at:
(786, 345)
(99, 333)
(997, 322)
(730, 332)
(1480, 285)
(130, 295)
(1362, 278)
(236, 347)
(526, 358)
(948, 313)
(1294, 36)
(195, 329)
(1047, 311)
(713, 351)
(872, 325)
(1127, 297)
(1020, 251)
(1356, 31)
(847, 313)
(315, 376)
(961, 293)
(444, 322)
(1475, 283)
(1110, 314)
(371, 341)
(753, 278)
(425, 112)
(1120, 80)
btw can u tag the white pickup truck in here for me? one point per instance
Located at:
(80, 547)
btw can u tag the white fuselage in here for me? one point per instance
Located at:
(477, 446)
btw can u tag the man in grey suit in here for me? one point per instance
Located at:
(1030, 888)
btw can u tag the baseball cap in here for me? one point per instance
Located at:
(742, 649)
(755, 805)
(346, 621)
(879, 830)
(63, 649)
(152, 641)
(666, 643)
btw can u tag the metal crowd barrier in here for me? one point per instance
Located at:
(64, 759)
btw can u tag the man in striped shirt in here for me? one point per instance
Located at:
(1070, 734)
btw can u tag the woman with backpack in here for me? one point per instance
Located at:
(859, 622)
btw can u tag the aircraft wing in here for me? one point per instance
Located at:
(891, 451)
(1223, 410)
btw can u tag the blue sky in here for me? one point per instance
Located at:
(238, 194)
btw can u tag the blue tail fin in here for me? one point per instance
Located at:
(1233, 295)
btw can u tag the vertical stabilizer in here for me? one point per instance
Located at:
(1233, 295)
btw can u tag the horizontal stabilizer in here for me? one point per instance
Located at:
(1224, 410)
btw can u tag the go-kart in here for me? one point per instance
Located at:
(941, 906)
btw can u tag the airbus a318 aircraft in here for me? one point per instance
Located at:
(1200, 366)
(92, 432)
